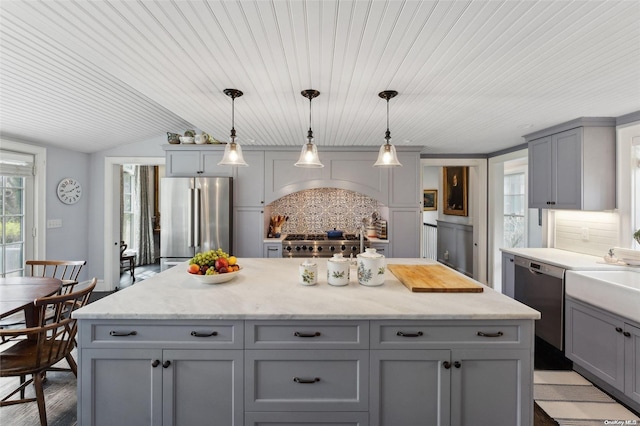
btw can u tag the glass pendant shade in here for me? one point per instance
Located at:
(309, 157)
(309, 154)
(387, 156)
(232, 155)
(232, 151)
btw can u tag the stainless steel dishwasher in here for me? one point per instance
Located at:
(541, 286)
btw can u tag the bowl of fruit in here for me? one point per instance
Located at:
(213, 267)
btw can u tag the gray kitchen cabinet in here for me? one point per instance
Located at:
(248, 231)
(163, 387)
(508, 275)
(450, 373)
(572, 166)
(455, 246)
(195, 161)
(248, 185)
(404, 182)
(404, 232)
(273, 250)
(382, 248)
(605, 348)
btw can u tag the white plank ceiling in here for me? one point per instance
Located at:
(472, 76)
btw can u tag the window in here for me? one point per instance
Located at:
(514, 211)
(128, 183)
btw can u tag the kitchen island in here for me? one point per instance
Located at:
(264, 350)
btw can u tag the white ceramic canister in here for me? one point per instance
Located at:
(371, 268)
(338, 270)
(308, 273)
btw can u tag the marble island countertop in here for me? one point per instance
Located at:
(269, 289)
(565, 259)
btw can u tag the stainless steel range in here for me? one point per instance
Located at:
(319, 245)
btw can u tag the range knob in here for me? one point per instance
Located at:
(343, 247)
(297, 248)
(288, 248)
(310, 248)
(332, 248)
(319, 248)
(304, 247)
(354, 248)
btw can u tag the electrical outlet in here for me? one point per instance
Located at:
(54, 223)
(585, 234)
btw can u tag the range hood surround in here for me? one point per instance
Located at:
(320, 209)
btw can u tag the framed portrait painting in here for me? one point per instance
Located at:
(430, 199)
(454, 184)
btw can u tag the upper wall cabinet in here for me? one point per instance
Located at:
(248, 187)
(195, 160)
(405, 187)
(572, 166)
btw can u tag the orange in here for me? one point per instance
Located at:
(193, 268)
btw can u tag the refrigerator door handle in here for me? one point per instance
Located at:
(190, 216)
(196, 218)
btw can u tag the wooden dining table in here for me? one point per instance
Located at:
(18, 293)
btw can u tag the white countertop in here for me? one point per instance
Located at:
(565, 259)
(269, 289)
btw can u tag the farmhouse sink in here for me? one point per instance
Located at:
(614, 291)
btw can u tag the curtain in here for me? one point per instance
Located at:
(143, 229)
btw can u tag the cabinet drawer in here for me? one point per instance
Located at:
(292, 380)
(198, 334)
(438, 334)
(307, 335)
(312, 418)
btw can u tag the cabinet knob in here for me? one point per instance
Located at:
(619, 330)
(446, 365)
(166, 364)
(626, 334)
(155, 363)
(457, 364)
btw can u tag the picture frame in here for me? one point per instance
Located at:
(430, 199)
(455, 196)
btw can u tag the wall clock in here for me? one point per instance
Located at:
(69, 191)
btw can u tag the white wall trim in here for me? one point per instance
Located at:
(479, 211)
(112, 219)
(40, 191)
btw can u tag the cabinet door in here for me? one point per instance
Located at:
(209, 164)
(120, 387)
(567, 165)
(409, 387)
(508, 275)
(632, 362)
(464, 250)
(382, 248)
(594, 342)
(446, 248)
(491, 387)
(540, 173)
(404, 232)
(201, 387)
(248, 187)
(404, 182)
(183, 163)
(248, 235)
(272, 251)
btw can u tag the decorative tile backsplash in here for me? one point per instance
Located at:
(322, 209)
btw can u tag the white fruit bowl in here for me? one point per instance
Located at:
(215, 279)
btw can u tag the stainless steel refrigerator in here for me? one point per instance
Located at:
(195, 216)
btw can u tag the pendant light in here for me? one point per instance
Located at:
(387, 156)
(233, 151)
(309, 155)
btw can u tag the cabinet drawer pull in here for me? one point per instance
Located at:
(299, 334)
(403, 334)
(197, 334)
(122, 333)
(498, 334)
(155, 363)
(299, 380)
(626, 334)
(166, 364)
(446, 365)
(618, 329)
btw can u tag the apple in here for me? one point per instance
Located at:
(222, 263)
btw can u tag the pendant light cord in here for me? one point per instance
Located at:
(387, 135)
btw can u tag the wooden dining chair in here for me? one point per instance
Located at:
(65, 270)
(31, 351)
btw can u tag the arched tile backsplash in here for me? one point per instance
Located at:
(322, 209)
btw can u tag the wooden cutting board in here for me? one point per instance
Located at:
(433, 278)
